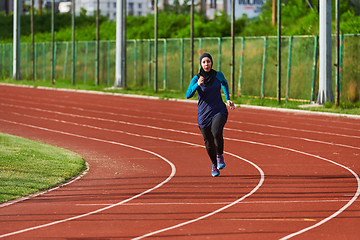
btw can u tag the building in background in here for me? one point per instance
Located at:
(108, 7)
(210, 8)
(250, 8)
(7, 6)
(43, 3)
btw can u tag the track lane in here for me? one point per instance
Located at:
(272, 139)
(100, 210)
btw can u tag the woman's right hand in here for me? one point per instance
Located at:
(200, 81)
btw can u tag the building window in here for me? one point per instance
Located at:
(131, 9)
(139, 6)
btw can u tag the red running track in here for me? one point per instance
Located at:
(288, 175)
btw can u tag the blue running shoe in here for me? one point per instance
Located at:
(215, 172)
(220, 162)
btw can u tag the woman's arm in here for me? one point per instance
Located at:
(193, 86)
(225, 88)
(224, 85)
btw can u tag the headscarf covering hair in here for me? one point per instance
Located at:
(210, 76)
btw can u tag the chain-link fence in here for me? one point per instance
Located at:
(255, 64)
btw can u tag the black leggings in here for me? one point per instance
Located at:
(213, 137)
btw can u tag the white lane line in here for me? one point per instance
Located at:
(54, 104)
(310, 114)
(269, 109)
(176, 121)
(334, 214)
(220, 203)
(269, 145)
(216, 211)
(173, 171)
(291, 137)
(229, 129)
(127, 200)
(353, 199)
(96, 118)
(173, 130)
(296, 129)
(356, 195)
(105, 112)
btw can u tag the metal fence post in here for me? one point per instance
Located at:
(337, 71)
(66, 53)
(279, 52)
(262, 94)
(11, 59)
(182, 64)
(219, 55)
(52, 41)
(75, 52)
(316, 45)
(44, 61)
(165, 80)
(241, 66)
(97, 61)
(233, 48)
(108, 63)
(3, 59)
(149, 62)
(1, 63)
(73, 63)
(135, 61)
(55, 53)
(86, 56)
(192, 39)
(1, 53)
(341, 61)
(156, 45)
(35, 49)
(27, 59)
(288, 69)
(97, 74)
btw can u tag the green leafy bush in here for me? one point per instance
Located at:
(298, 18)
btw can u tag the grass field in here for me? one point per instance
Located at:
(27, 167)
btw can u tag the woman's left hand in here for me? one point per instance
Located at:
(231, 104)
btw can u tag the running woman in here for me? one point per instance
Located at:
(212, 112)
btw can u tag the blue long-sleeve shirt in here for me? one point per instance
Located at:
(210, 101)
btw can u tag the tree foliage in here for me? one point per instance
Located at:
(299, 17)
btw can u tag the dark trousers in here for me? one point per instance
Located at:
(213, 137)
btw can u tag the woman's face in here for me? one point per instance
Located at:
(206, 64)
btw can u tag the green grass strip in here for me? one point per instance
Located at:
(28, 167)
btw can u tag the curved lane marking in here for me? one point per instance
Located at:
(229, 129)
(353, 199)
(141, 125)
(216, 211)
(159, 128)
(251, 142)
(306, 229)
(173, 171)
(147, 191)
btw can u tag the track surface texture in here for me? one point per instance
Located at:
(287, 175)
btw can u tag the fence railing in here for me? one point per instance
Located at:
(255, 63)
